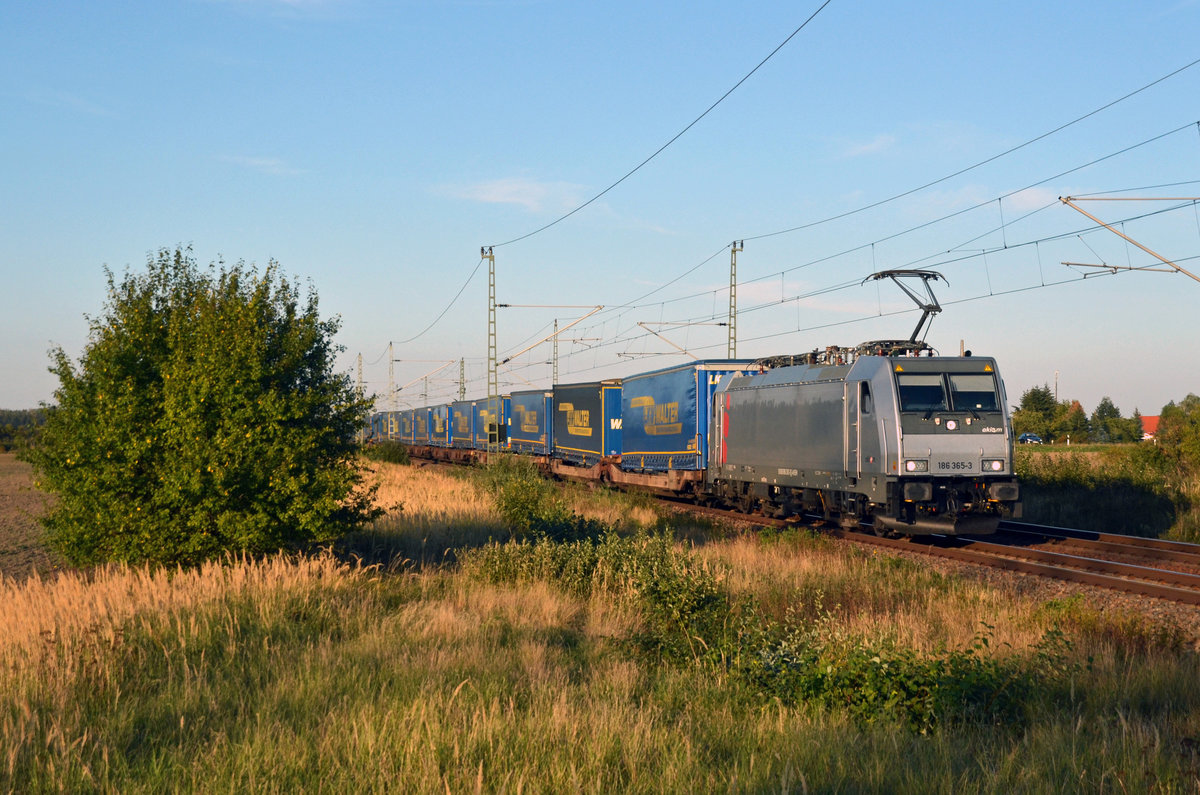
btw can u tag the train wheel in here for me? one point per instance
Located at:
(745, 504)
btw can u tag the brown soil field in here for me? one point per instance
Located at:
(22, 550)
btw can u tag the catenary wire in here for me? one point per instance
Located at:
(633, 304)
(676, 137)
(909, 230)
(938, 181)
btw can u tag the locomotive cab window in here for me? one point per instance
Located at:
(864, 400)
(921, 392)
(973, 392)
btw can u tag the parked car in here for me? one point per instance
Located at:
(1029, 438)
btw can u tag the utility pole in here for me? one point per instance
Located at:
(391, 379)
(359, 390)
(493, 444)
(554, 369)
(731, 348)
(462, 379)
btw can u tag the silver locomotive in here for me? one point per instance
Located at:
(885, 434)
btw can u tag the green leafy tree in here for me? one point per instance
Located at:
(204, 416)
(1070, 422)
(19, 428)
(1134, 428)
(1178, 434)
(1107, 424)
(1036, 412)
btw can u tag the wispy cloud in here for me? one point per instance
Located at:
(935, 203)
(292, 9)
(534, 196)
(68, 101)
(264, 165)
(880, 143)
(297, 4)
(1031, 199)
(1184, 6)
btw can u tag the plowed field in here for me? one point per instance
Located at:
(21, 547)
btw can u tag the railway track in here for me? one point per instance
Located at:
(1132, 578)
(1162, 569)
(1142, 566)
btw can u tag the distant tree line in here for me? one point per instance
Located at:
(20, 427)
(1061, 421)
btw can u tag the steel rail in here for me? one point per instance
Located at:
(1097, 565)
(1090, 535)
(1042, 568)
(1130, 548)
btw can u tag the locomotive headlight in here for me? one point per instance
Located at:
(993, 465)
(951, 425)
(916, 465)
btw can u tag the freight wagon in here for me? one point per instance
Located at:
(530, 430)
(885, 434)
(587, 426)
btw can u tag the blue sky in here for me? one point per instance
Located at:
(373, 148)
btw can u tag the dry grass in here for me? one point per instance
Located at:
(430, 498)
(430, 512)
(287, 674)
(612, 507)
(874, 595)
(57, 623)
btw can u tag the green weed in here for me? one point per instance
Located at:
(391, 451)
(689, 618)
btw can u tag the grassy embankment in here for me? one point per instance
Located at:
(601, 662)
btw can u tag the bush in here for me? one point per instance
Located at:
(204, 416)
(689, 617)
(874, 680)
(531, 505)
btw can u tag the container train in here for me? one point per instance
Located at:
(885, 434)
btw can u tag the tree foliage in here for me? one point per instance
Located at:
(1036, 412)
(1108, 425)
(204, 416)
(1070, 423)
(1040, 413)
(1178, 433)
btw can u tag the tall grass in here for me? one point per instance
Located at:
(521, 669)
(1112, 488)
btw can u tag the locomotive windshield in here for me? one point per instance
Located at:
(928, 392)
(970, 392)
(921, 392)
